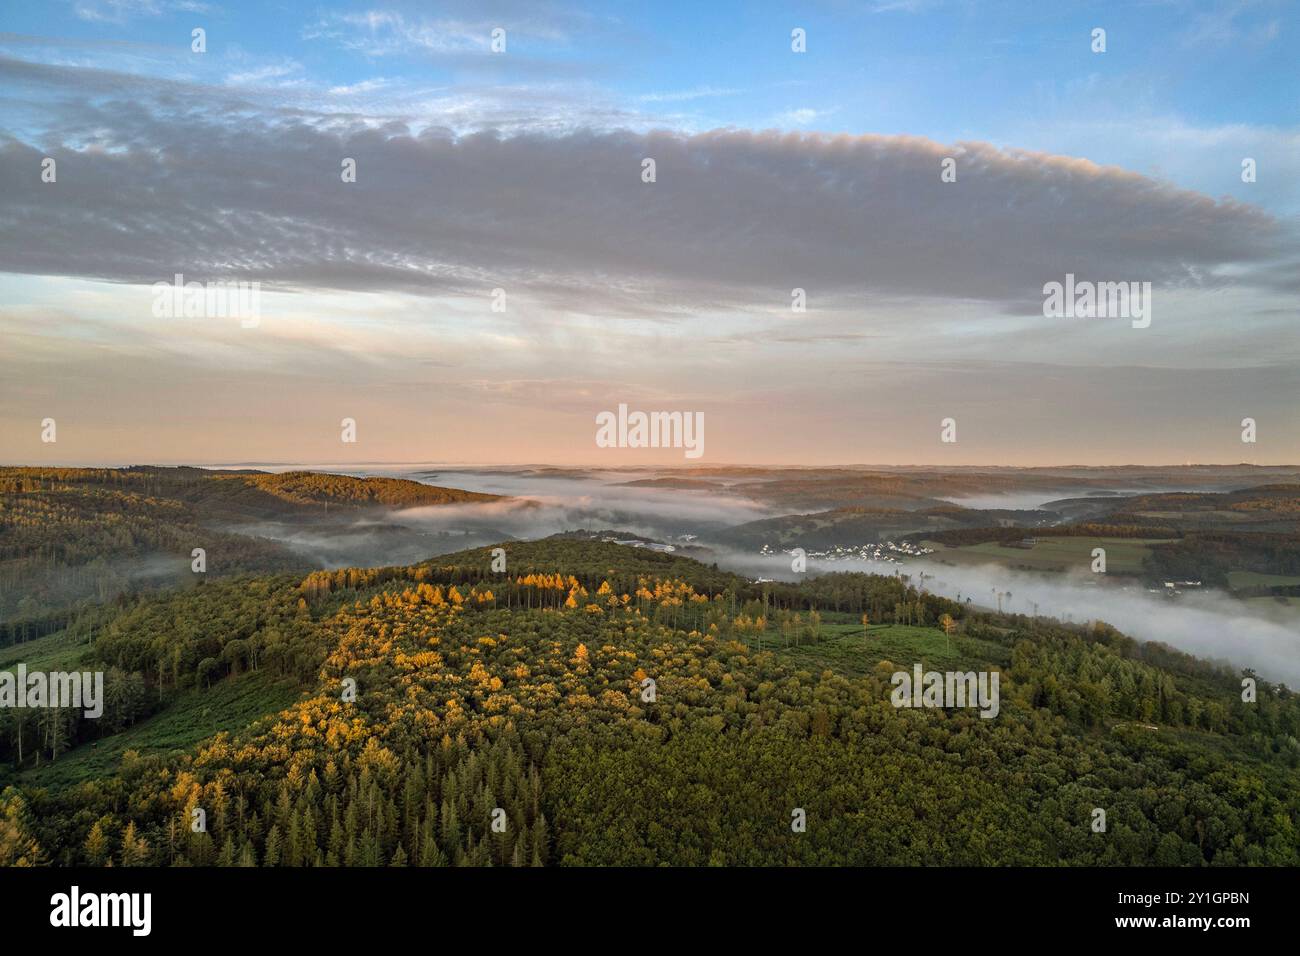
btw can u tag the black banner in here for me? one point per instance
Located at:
(340, 906)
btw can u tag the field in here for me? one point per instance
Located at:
(191, 717)
(1273, 603)
(1123, 555)
(845, 650)
(1240, 580)
(54, 652)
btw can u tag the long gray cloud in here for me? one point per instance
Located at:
(157, 179)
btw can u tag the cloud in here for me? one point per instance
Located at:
(803, 116)
(685, 96)
(901, 6)
(287, 72)
(378, 33)
(167, 178)
(365, 86)
(460, 33)
(115, 11)
(120, 11)
(1223, 26)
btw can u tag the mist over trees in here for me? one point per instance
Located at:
(524, 692)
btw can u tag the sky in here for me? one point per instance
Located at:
(500, 273)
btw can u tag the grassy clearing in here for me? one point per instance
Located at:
(1272, 603)
(845, 650)
(1123, 555)
(53, 652)
(1253, 579)
(193, 716)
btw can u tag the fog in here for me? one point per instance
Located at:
(1209, 624)
(1040, 498)
(342, 544)
(548, 504)
(1011, 500)
(566, 502)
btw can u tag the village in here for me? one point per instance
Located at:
(888, 551)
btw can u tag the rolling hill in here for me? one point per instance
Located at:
(602, 704)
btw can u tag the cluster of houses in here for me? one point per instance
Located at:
(648, 545)
(880, 551)
(1175, 587)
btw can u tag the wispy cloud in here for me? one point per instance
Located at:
(285, 73)
(458, 29)
(1232, 24)
(379, 33)
(685, 96)
(120, 11)
(364, 86)
(801, 117)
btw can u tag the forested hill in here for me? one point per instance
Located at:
(312, 488)
(70, 537)
(608, 705)
(236, 493)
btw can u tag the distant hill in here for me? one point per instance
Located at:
(314, 488)
(685, 484)
(73, 536)
(853, 526)
(917, 488)
(1216, 537)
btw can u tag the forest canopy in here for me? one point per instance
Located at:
(450, 713)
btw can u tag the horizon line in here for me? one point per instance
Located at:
(693, 466)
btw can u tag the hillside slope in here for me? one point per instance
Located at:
(70, 537)
(526, 691)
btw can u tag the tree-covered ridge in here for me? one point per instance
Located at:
(1281, 501)
(314, 488)
(1086, 529)
(1206, 556)
(153, 649)
(72, 537)
(525, 690)
(66, 544)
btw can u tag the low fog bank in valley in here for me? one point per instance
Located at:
(365, 544)
(656, 514)
(543, 505)
(549, 504)
(1208, 624)
(1043, 499)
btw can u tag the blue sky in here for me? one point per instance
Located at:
(1011, 73)
(778, 170)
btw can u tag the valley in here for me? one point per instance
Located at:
(525, 688)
